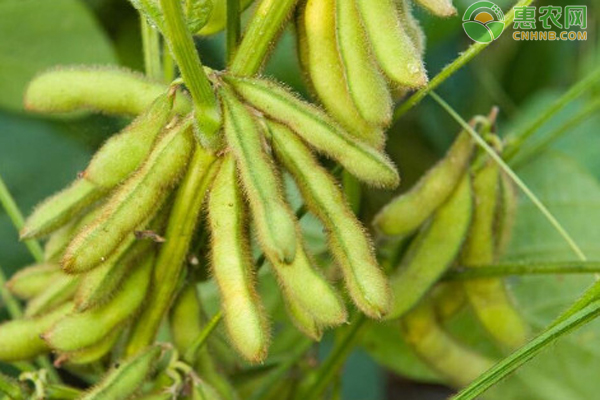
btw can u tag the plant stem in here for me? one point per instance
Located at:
(498, 270)
(266, 23)
(534, 199)
(233, 28)
(171, 258)
(12, 305)
(9, 204)
(527, 352)
(516, 140)
(151, 46)
(181, 43)
(451, 68)
(334, 361)
(190, 354)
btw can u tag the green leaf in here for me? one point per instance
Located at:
(38, 34)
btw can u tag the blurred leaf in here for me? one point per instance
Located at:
(38, 34)
(37, 158)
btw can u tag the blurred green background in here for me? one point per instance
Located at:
(40, 155)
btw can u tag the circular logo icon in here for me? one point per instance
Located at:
(483, 21)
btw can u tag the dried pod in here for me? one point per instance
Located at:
(232, 267)
(316, 128)
(408, 211)
(271, 214)
(349, 244)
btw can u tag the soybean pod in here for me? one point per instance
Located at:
(365, 82)
(506, 213)
(58, 292)
(439, 350)
(232, 266)
(316, 128)
(92, 326)
(124, 153)
(105, 89)
(271, 214)
(31, 281)
(348, 240)
(408, 211)
(392, 46)
(433, 250)
(488, 296)
(122, 382)
(133, 203)
(326, 71)
(92, 353)
(440, 8)
(21, 339)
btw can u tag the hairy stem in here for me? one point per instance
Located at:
(233, 28)
(151, 46)
(266, 23)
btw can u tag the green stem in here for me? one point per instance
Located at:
(515, 140)
(233, 28)
(12, 305)
(544, 268)
(171, 258)
(9, 204)
(10, 387)
(268, 20)
(527, 352)
(451, 68)
(583, 114)
(333, 363)
(182, 46)
(151, 46)
(190, 354)
(534, 199)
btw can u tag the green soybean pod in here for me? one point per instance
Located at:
(232, 266)
(408, 211)
(58, 292)
(304, 286)
(57, 210)
(21, 339)
(391, 45)
(93, 325)
(411, 24)
(124, 153)
(272, 216)
(366, 282)
(107, 89)
(448, 298)
(439, 8)
(185, 318)
(324, 66)
(316, 128)
(31, 281)
(433, 250)
(92, 353)
(134, 202)
(122, 382)
(458, 364)
(366, 84)
(506, 213)
(488, 296)
(302, 319)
